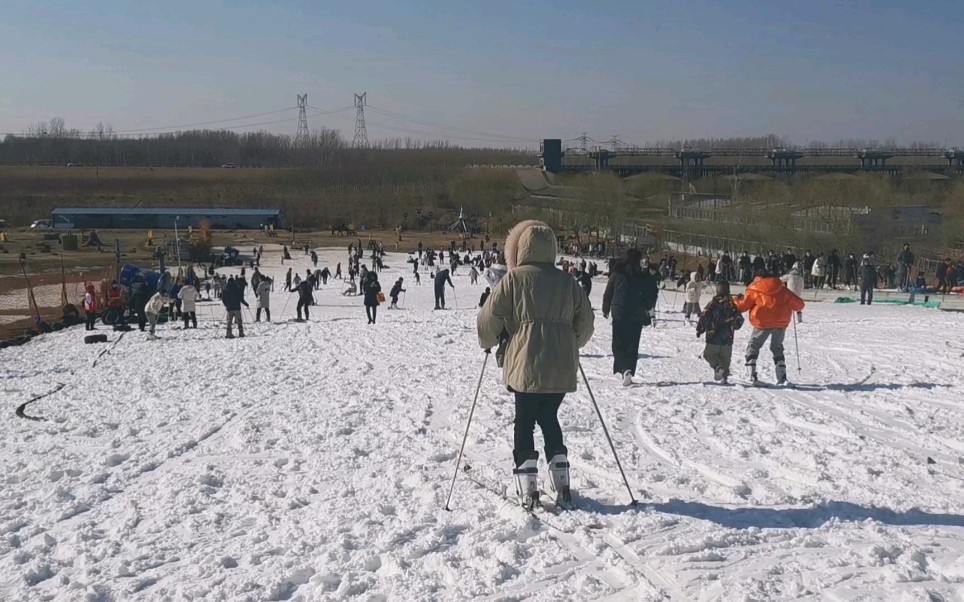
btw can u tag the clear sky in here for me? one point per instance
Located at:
(645, 70)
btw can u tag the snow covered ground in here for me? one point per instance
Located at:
(311, 462)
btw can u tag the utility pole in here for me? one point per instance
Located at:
(361, 133)
(301, 138)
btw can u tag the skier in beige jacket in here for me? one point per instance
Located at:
(547, 318)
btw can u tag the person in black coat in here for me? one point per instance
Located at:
(630, 294)
(868, 277)
(440, 279)
(371, 287)
(395, 292)
(304, 290)
(485, 296)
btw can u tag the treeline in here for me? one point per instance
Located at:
(52, 145)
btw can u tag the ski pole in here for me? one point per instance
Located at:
(675, 294)
(632, 498)
(796, 343)
(468, 423)
(285, 306)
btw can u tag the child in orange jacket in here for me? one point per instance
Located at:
(771, 306)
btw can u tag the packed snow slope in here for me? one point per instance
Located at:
(311, 462)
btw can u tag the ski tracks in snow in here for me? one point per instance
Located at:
(311, 462)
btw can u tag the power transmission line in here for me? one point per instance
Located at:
(432, 124)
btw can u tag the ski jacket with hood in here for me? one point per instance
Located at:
(719, 320)
(156, 304)
(264, 294)
(819, 268)
(794, 279)
(188, 297)
(90, 300)
(545, 312)
(441, 278)
(694, 288)
(770, 303)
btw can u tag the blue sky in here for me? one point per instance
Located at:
(645, 71)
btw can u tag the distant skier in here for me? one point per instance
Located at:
(771, 306)
(188, 299)
(314, 259)
(263, 295)
(233, 299)
(153, 309)
(485, 296)
(794, 282)
(548, 319)
(440, 279)
(395, 292)
(694, 290)
(719, 320)
(473, 275)
(304, 299)
(868, 279)
(371, 288)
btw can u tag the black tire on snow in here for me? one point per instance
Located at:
(95, 338)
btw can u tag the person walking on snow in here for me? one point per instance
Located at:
(719, 320)
(905, 261)
(485, 296)
(263, 295)
(630, 293)
(188, 298)
(794, 281)
(233, 299)
(440, 279)
(548, 319)
(288, 280)
(691, 303)
(372, 288)
(771, 306)
(868, 279)
(153, 309)
(473, 275)
(395, 292)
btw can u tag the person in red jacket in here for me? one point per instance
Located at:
(90, 307)
(771, 306)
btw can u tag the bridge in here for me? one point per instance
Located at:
(701, 163)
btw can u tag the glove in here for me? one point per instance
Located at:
(605, 316)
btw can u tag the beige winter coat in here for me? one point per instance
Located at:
(545, 312)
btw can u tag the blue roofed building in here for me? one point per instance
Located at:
(147, 218)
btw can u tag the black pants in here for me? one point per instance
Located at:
(626, 335)
(91, 318)
(372, 312)
(541, 409)
(267, 314)
(303, 303)
(141, 317)
(440, 299)
(866, 292)
(189, 316)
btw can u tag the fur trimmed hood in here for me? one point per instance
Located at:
(530, 242)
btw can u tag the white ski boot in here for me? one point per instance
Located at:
(781, 370)
(559, 478)
(627, 378)
(527, 482)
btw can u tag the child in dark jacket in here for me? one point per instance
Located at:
(719, 321)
